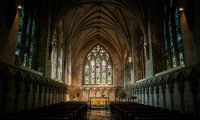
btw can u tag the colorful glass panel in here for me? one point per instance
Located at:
(97, 60)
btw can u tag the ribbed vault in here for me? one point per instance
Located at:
(112, 20)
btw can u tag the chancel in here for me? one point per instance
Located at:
(99, 59)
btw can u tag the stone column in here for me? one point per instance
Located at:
(49, 94)
(40, 94)
(152, 95)
(17, 92)
(147, 91)
(171, 91)
(157, 95)
(45, 95)
(143, 94)
(181, 85)
(34, 94)
(164, 94)
(27, 91)
(53, 95)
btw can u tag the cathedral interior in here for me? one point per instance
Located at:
(99, 52)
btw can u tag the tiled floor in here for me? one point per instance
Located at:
(98, 114)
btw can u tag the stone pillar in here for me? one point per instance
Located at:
(152, 95)
(147, 91)
(27, 91)
(53, 95)
(164, 94)
(45, 95)
(138, 94)
(157, 95)
(40, 94)
(171, 91)
(148, 46)
(56, 94)
(34, 94)
(17, 93)
(49, 97)
(143, 95)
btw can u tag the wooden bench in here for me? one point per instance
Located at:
(62, 111)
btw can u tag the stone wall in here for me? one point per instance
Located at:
(21, 90)
(175, 90)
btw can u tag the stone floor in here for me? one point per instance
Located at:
(98, 114)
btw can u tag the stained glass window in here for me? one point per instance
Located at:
(165, 44)
(57, 54)
(19, 37)
(29, 38)
(98, 67)
(179, 36)
(171, 42)
(172, 34)
(32, 44)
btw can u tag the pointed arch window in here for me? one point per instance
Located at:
(98, 69)
(26, 38)
(172, 35)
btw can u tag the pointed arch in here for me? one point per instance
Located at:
(98, 68)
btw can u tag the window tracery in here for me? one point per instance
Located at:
(98, 67)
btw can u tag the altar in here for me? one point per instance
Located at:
(98, 102)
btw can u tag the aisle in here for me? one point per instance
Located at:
(98, 114)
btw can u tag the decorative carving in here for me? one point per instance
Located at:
(163, 84)
(147, 90)
(171, 81)
(181, 80)
(152, 90)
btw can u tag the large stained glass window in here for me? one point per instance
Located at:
(57, 53)
(172, 35)
(19, 37)
(179, 36)
(98, 68)
(26, 38)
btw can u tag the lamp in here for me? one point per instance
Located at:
(19, 6)
(129, 60)
(180, 9)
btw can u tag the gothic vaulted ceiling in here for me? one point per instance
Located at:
(114, 21)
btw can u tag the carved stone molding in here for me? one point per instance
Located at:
(171, 81)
